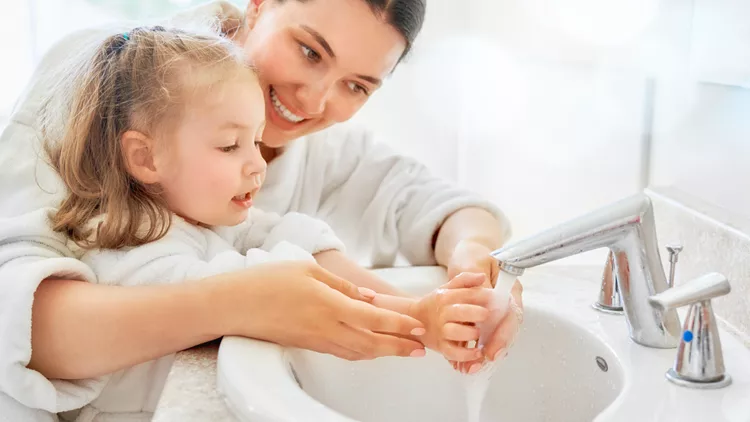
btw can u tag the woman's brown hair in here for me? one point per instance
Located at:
(139, 81)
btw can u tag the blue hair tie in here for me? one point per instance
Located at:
(126, 36)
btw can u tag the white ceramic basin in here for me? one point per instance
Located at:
(553, 372)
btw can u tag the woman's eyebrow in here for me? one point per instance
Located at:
(370, 79)
(322, 41)
(327, 47)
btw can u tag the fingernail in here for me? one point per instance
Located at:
(418, 331)
(364, 291)
(475, 367)
(417, 353)
(500, 354)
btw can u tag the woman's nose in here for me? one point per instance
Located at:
(313, 96)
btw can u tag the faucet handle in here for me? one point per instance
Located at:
(674, 250)
(698, 290)
(700, 362)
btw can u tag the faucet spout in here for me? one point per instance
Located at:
(628, 229)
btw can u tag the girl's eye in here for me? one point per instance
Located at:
(357, 88)
(258, 142)
(229, 148)
(310, 54)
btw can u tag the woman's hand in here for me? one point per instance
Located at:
(505, 334)
(505, 323)
(300, 304)
(471, 256)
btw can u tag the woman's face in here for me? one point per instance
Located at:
(318, 61)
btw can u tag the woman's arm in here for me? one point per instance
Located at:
(467, 224)
(386, 204)
(83, 330)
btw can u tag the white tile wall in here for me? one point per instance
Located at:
(548, 133)
(702, 144)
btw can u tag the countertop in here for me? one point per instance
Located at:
(190, 394)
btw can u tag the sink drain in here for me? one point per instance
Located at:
(602, 364)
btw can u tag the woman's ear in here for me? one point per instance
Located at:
(138, 153)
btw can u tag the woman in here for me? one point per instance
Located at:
(319, 60)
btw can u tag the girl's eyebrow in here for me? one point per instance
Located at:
(232, 125)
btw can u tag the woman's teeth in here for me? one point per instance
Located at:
(282, 110)
(244, 197)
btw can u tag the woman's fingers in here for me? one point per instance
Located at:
(502, 338)
(372, 345)
(363, 315)
(337, 283)
(332, 348)
(398, 304)
(460, 332)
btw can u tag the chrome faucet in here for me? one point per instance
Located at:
(627, 228)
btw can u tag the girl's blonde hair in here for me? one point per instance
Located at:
(139, 81)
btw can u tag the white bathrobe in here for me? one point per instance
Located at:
(186, 252)
(381, 204)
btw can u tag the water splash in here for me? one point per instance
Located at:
(476, 384)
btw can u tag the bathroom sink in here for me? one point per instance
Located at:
(550, 374)
(569, 363)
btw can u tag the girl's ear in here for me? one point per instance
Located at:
(138, 152)
(253, 10)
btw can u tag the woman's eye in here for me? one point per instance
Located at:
(310, 54)
(229, 148)
(357, 88)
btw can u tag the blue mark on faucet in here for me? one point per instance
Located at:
(687, 336)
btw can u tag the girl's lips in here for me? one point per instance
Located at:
(243, 203)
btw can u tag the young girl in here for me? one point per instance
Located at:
(160, 157)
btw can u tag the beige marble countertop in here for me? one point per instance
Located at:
(190, 394)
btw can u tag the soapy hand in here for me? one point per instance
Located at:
(449, 315)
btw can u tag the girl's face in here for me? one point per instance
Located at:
(211, 167)
(319, 61)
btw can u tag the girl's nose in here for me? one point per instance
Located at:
(254, 167)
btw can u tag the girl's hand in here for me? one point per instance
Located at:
(471, 256)
(448, 314)
(300, 304)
